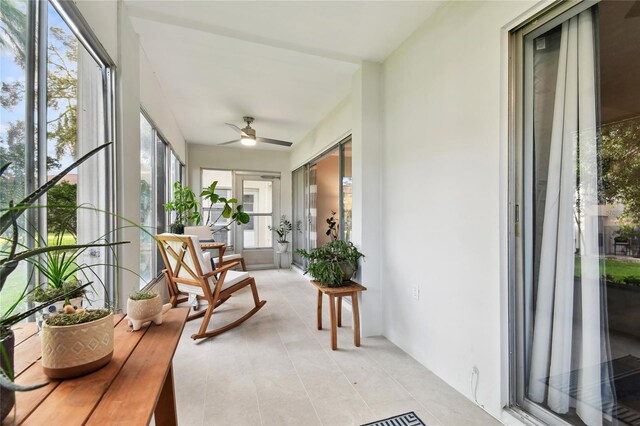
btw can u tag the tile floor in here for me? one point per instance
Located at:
(277, 369)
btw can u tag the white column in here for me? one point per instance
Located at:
(366, 138)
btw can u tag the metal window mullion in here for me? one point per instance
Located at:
(43, 35)
(30, 126)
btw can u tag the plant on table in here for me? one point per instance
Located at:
(333, 263)
(186, 207)
(234, 215)
(145, 306)
(12, 254)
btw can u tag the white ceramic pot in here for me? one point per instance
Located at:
(142, 311)
(74, 350)
(283, 247)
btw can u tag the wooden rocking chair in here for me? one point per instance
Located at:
(190, 279)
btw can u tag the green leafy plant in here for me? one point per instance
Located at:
(185, 204)
(333, 226)
(283, 229)
(237, 215)
(81, 316)
(327, 264)
(143, 295)
(12, 253)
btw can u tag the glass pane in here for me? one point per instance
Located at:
(327, 198)
(257, 234)
(581, 254)
(299, 222)
(147, 200)
(212, 214)
(258, 196)
(347, 192)
(163, 188)
(75, 125)
(12, 133)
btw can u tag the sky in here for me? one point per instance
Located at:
(11, 72)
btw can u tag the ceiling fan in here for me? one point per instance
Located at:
(248, 135)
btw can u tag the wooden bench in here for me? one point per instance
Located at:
(136, 384)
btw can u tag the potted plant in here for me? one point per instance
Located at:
(76, 341)
(186, 207)
(144, 306)
(282, 230)
(237, 215)
(332, 264)
(12, 254)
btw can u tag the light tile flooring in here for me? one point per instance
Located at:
(277, 369)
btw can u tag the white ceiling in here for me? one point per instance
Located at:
(285, 63)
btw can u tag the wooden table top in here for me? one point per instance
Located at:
(209, 245)
(354, 286)
(125, 391)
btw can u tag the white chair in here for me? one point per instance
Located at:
(190, 279)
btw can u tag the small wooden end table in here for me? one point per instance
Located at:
(212, 245)
(351, 290)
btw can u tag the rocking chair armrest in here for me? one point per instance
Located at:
(222, 269)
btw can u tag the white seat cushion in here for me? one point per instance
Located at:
(232, 277)
(229, 257)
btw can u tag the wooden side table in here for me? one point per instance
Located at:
(212, 245)
(336, 317)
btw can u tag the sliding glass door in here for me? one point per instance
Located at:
(322, 192)
(576, 239)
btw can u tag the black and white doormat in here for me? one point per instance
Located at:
(406, 419)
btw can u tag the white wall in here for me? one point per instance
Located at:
(334, 127)
(156, 106)
(110, 22)
(214, 157)
(444, 182)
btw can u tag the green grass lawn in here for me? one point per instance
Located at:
(618, 269)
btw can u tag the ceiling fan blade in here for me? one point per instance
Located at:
(274, 141)
(237, 129)
(229, 142)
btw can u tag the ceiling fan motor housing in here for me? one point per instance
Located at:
(249, 131)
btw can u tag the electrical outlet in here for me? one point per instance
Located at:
(475, 371)
(415, 292)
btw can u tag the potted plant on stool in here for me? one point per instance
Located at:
(282, 230)
(332, 264)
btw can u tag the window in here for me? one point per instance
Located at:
(576, 238)
(64, 80)
(159, 169)
(248, 201)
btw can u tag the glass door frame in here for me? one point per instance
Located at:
(520, 189)
(274, 177)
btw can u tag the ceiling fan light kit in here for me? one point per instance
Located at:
(248, 135)
(248, 141)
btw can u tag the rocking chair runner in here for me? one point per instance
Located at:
(189, 274)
